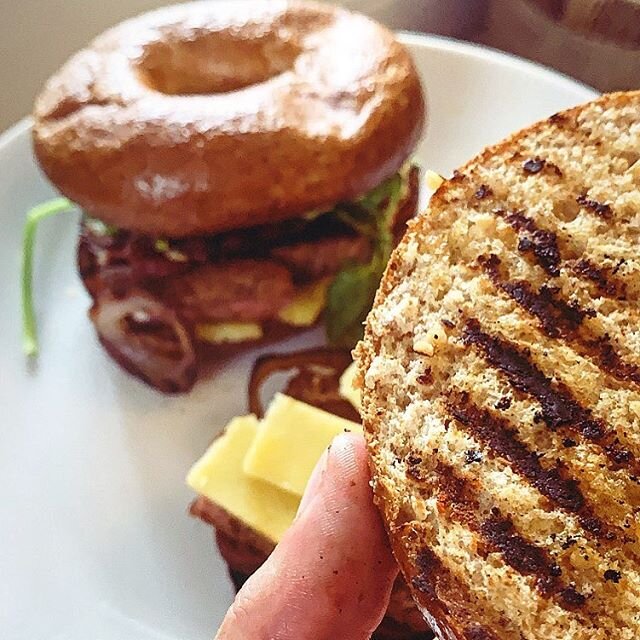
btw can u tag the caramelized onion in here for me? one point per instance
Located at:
(146, 338)
(315, 380)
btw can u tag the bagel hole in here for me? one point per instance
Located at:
(214, 64)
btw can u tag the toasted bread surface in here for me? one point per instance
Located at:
(501, 387)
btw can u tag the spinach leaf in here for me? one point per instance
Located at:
(349, 299)
(353, 290)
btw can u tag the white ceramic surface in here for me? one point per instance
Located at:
(95, 542)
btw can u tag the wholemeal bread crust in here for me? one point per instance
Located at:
(145, 131)
(500, 387)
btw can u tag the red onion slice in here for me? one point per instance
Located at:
(316, 379)
(146, 338)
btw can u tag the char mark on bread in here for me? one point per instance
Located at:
(497, 534)
(542, 245)
(558, 407)
(431, 579)
(561, 319)
(556, 316)
(502, 440)
(605, 282)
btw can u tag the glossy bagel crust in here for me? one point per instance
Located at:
(215, 115)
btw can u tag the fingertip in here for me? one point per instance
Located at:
(348, 455)
(351, 444)
(332, 573)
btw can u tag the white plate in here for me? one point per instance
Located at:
(95, 542)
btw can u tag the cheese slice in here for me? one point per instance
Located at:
(347, 389)
(229, 332)
(290, 441)
(433, 180)
(219, 477)
(306, 307)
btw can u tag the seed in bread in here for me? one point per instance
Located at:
(506, 455)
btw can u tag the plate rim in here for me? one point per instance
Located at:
(412, 39)
(490, 54)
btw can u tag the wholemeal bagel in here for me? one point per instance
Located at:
(501, 392)
(208, 116)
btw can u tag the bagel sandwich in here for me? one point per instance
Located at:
(235, 187)
(500, 376)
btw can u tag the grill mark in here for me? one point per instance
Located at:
(499, 535)
(433, 578)
(542, 243)
(557, 317)
(609, 287)
(558, 407)
(554, 483)
(431, 573)
(561, 319)
(603, 351)
(601, 209)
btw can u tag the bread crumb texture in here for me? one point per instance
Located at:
(501, 387)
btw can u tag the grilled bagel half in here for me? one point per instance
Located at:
(501, 387)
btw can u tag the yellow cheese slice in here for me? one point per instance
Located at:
(347, 390)
(290, 441)
(433, 180)
(229, 332)
(306, 307)
(218, 476)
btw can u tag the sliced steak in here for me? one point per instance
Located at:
(243, 290)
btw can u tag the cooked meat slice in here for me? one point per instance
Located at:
(323, 256)
(119, 260)
(240, 290)
(244, 536)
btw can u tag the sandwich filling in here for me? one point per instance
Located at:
(160, 302)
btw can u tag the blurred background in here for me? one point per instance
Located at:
(596, 41)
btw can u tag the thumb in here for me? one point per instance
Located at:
(331, 576)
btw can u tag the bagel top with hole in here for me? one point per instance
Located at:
(209, 116)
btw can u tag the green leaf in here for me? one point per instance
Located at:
(353, 290)
(34, 217)
(361, 221)
(385, 190)
(349, 299)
